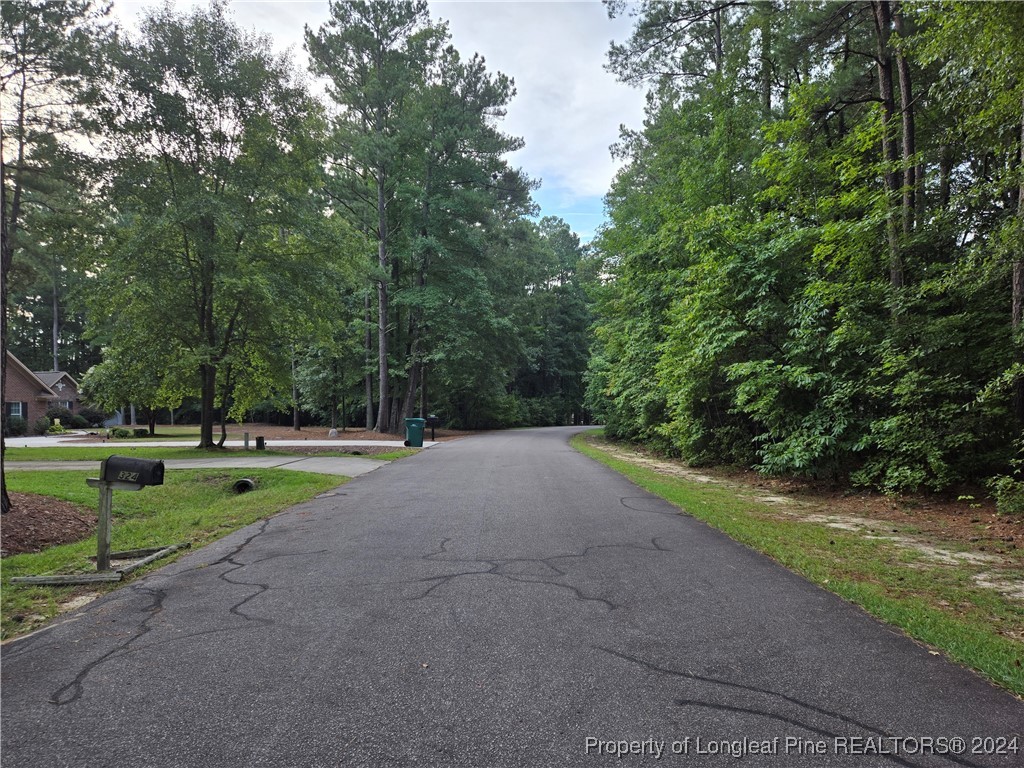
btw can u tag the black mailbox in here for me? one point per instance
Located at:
(433, 421)
(123, 469)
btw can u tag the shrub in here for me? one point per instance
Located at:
(78, 422)
(1009, 495)
(16, 427)
(41, 426)
(120, 432)
(140, 432)
(56, 428)
(59, 412)
(93, 416)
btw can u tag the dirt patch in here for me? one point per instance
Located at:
(38, 522)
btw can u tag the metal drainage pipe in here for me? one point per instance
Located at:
(244, 485)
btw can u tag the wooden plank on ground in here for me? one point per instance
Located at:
(81, 578)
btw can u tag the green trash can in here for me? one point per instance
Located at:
(414, 432)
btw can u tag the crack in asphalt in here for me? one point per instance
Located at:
(651, 667)
(236, 609)
(230, 558)
(497, 566)
(72, 692)
(261, 588)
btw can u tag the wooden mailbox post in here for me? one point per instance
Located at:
(117, 473)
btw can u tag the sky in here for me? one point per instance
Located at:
(568, 109)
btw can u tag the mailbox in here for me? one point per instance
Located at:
(433, 420)
(123, 469)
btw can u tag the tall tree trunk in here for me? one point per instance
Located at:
(10, 220)
(55, 330)
(207, 393)
(382, 309)
(368, 349)
(6, 255)
(945, 174)
(296, 423)
(208, 332)
(423, 390)
(766, 11)
(910, 182)
(719, 48)
(1017, 299)
(883, 29)
(409, 404)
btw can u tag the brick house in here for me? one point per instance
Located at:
(25, 395)
(65, 388)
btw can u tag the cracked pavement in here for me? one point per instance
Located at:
(494, 601)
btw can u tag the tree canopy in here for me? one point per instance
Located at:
(813, 262)
(814, 252)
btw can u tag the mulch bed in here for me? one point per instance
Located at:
(37, 522)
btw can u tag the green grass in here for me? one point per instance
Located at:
(398, 453)
(98, 453)
(196, 506)
(937, 605)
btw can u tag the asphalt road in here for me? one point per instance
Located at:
(496, 601)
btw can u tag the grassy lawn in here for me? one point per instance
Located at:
(100, 452)
(398, 453)
(197, 506)
(937, 604)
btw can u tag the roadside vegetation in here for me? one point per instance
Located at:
(898, 579)
(813, 265)
(195, 506)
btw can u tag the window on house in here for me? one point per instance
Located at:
(14, 409)
(69, 404)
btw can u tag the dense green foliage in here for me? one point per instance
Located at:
(49, 71)
(465, 308)
(239, 244)
(814, 260)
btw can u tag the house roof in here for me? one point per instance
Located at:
(44, 391)
(50, 378)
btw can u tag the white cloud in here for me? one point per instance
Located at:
(568, 109)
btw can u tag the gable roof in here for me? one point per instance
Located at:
(20, 367)
(50, 378)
